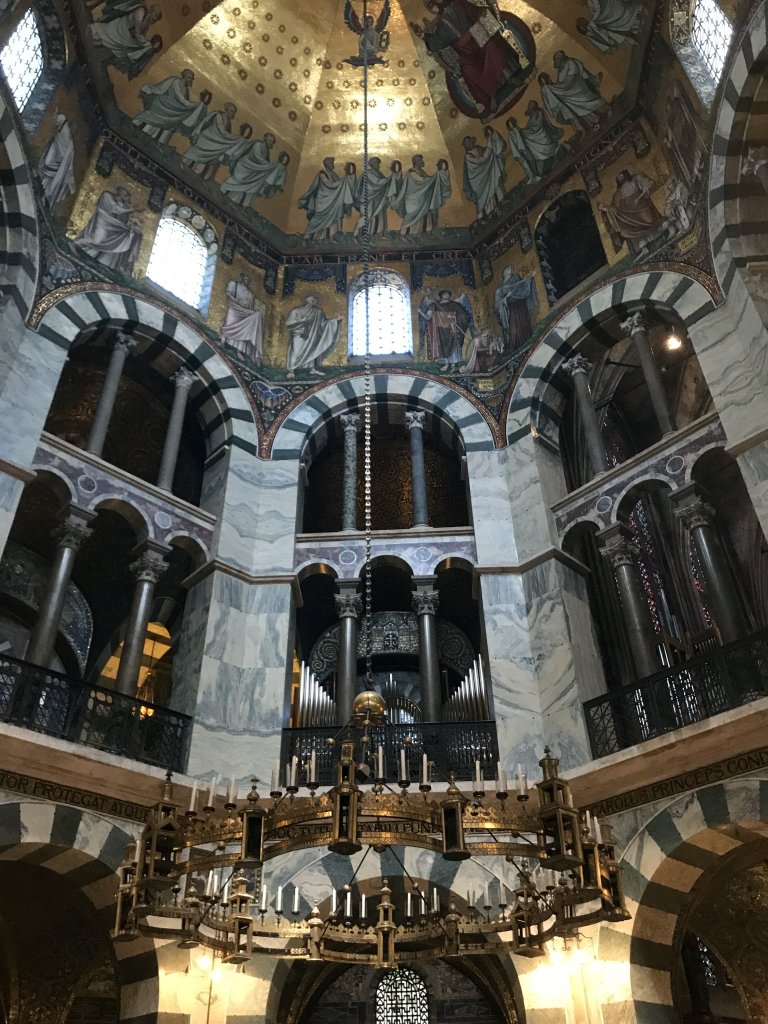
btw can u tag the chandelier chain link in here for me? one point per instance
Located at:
(368, 603)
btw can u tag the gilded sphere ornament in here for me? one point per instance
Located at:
(370, 705)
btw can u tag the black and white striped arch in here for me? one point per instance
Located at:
(19, 246)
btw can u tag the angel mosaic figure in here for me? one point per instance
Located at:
(374, 40)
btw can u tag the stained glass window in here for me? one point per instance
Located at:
(401, 998)
(711, 34)
(22, 59)
(389, 315)
(179, 261)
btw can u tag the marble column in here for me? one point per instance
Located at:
(699, 519)
(425, 604)
(621, 555)
(69, 536)
(124, 344)
(635, 327)
(414, 421)
(349, 606)
(350, 423)
(577, 368)
(183, 380)
(146, 571)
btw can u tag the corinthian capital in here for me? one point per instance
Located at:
(695, 513)
(577, 364)
(125, 342)
(619, 552)
(73, 530)
(148, 567)
(350, 422)
(348, 605)
(634, 324)
(426, 602)
(183, 379)
(415, 419)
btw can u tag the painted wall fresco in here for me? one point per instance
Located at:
(262, 108)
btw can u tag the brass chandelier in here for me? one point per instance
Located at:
(565, 871)
(197, 875)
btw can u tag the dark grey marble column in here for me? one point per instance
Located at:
(69, 536)
(699, 519)
(98, 435)
(350, 423)
(414, 421)
(183, 379)
(146, 571)
(636, 328)
(349, 605)
(425, 604)
(577, 368)
(621, 555)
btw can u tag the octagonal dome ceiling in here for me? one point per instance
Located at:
(472, 107)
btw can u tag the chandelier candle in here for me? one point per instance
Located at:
(193, 798)
(296, 898)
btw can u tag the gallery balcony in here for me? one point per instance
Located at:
(450, 746)
(705, 685)
(56, 705)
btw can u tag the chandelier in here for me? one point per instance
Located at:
(564, 873)
(197, 875)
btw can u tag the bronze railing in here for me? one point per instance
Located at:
(52, 703)
(686, 693)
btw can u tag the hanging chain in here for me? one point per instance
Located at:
(368, 608)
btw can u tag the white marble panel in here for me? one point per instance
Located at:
(743, 796)
(491, 507)
(36, 821)
(242, 754)
(92, 833)
(11, 489)
(534, 529)
(29, 373)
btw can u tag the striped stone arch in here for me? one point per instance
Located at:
(537, 399)
(222, 406)
(662, 865)
(730, 239)
(307, 427)
(85, 849)
(19, 245)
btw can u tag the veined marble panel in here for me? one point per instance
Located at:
(93, 481)
(531, 496)
(422, 550)
(670, 460)
(30, 367)
(488, 475)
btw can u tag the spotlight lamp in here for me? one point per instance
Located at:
(198, 877)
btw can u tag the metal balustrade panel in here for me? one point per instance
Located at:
(451, 746)
(52, 703)
(693, 691)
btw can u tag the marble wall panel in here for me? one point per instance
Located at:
(531, 495)
(491, 509)
(241, 670)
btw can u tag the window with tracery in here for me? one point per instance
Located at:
(22, 59)
(401, 998)
(701, 34)
(180, 262)
(389, 315)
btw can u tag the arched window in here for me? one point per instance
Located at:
(401, 998)
(22, 59)
(389, 315)
(702, 35)
(183, 256)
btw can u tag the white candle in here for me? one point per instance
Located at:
(403, 770)
(501, 779)
(312, 768)
(598, 831)
(520, 781)
(424, 770)
(232, 795)
(478, 777)
(263, 906)
(363, 899)
(225, 895)
(209, 884)
(470, 900)
(193, 797)
(295, 899)
(409, 904)
(333, 901)
(274, 781)
(380, 762)
(294, 771)
(348, 906)
(212, 790)
(502, 895)
(435, 901)
(279, 900)
(487, 894)
(288, 775)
